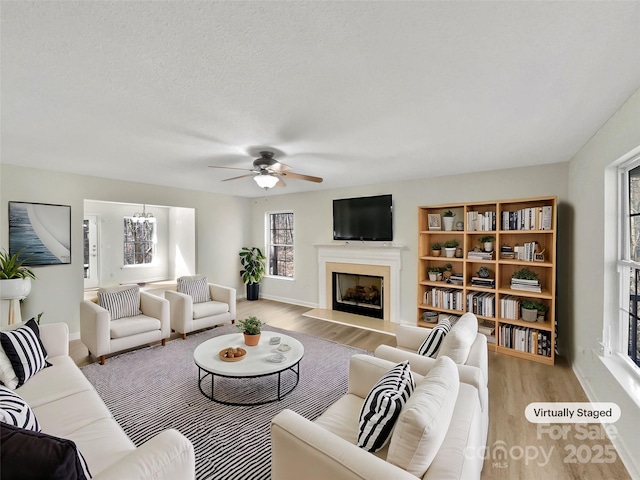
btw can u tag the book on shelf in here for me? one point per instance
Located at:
(531, 218)
(525, 339)
(480, 255)
(486, 328)
(483, 282)
(478, 221)
(528, 287)
(456, 279)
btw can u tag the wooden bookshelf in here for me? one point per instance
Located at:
(526, 225)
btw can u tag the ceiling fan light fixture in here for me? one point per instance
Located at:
(266, 180)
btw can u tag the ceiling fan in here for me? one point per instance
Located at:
(268, 172)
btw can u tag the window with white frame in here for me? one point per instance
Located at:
(139, 240)
(280, 244)
(629, 263)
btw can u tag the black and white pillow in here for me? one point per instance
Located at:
(431, 344)
(28, 454)
(382, 407)
(197, 288)
(25, 351)
(121, 303)
(15, 411)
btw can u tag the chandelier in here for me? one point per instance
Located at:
(144, 213)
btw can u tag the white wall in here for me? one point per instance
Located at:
(220, 231)
(593, 277)
(313, 222)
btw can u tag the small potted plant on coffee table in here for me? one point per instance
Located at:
(250, 326)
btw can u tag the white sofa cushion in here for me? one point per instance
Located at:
(424, 420)
(24, 350)
(15, 411)
(122, 301)
(431, 344)
(195, 286)
(208, 309)
(126, 327)
(382, 407)
(457, 344)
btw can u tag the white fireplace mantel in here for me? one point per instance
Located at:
(389, 255)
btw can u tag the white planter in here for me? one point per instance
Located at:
(433, 276)
(15, 288)
(488, 246)
(529, 315)
(450, 252)
(448, 223)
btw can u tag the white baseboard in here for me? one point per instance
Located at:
(289, 301)
(621, 446)
(74, 336)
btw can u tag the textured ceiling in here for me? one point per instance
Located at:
(355, 92)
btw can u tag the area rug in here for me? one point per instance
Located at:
(155, 388)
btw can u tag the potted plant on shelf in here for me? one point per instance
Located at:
(447, 219)
(251, 328)
(487, 241)
(436, 249)
(450, 247)
(435, 274)
(541, 309)
(254, 267)
(529, 311)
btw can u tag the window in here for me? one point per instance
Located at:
(280, 244)
(139, 240)
(629, 263)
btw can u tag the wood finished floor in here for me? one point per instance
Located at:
(513, 383)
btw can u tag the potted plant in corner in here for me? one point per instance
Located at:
(254, 267)
(487, 241)
(250, 327)
(15, 281)
(447, 219)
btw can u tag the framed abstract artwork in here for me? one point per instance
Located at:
(40, 233)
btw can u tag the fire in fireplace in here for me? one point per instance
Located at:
(359, 294)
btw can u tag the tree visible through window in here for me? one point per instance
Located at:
(633, 265)
(139, 240)
(280, 251)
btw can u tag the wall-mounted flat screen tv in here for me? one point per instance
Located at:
(363, 218)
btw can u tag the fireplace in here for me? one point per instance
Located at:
(359, 294)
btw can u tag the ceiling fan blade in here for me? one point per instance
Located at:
(232, 168)
(280, 183)
(280, 167)
(309, 178)
(236, 178)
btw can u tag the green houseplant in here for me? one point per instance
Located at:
(15, 277)
(447, 219)
(436, 249)
(251, 328)
(487, 242)
(450, 247)
(525, 274)
(529, 310)
(254, 267)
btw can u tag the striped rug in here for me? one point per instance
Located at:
(156, 388)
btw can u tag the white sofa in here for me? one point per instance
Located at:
(66, 405)
(187, 317)
(326, 448)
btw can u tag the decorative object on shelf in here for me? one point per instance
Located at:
(448, 270)
(254, 267)
(430, 317)
(447, 219)
(459, 226)
(483, 272)
(434, 221)
(525, 279)
(436, 249)
(15, 283)
(529, 311)
(487, 242)
(538, 255)
(251, 328)
(435, 274)
(459, 252)
(40, 233)
(450, 247)
(541, 309)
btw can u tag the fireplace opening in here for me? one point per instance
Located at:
(359, 294)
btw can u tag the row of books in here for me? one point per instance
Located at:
(448, 298)
(483, 304)
(526, 339)
(510, 307)
(478, 221)
(534, 218)
(480, 255)
(526, 285)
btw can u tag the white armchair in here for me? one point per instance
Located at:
(104, 336)
(187, 316)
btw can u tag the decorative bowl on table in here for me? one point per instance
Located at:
(232, 354)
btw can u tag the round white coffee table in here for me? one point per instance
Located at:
(257, 363)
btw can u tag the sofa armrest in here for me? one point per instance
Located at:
(365, 371)
(94, 328)
(299, 446)
(422, 365)
(226, 295)
(156, 307)
(180, 310)
(410, 338)
(479, 356)
(169, 455)
(55, 338)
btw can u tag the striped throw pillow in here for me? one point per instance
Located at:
(25, 351)
(431, 344)
(121, 303)
(382, 407)
(15, 411)
(197, 288)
